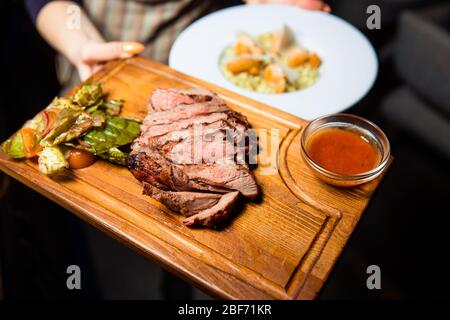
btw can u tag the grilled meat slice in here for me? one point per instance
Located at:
(165, 99)
(206, 130)
(231, 176)
(209, 209)
(197, 150)
(215, 215)
(216, 142)
(184, 111)
(191, 155)
(153, 168)
(185, 202)
(159, 130)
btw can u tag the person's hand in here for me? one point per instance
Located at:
(90, 56)
(83, 45)
(305, 4)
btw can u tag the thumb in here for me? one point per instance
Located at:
(95, 52)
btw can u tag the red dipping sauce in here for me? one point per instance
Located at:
(343, 151)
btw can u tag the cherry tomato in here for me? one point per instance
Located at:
(30, 142)
(80, 159)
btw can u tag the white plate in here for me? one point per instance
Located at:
(347, 73)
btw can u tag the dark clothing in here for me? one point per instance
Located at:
(34, 6)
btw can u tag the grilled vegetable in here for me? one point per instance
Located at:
(25, 142)
(65, 119)
(30, 142)
(14, 146)
(115, 155)
(82, 124)
(88, 95)
(113, 107)
(105, 142)
(86, 121)
(52, 161)
(110, 107)
(93, 108)
(63, 103)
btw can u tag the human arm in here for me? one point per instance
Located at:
(67, 28)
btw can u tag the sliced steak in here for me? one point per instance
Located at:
(159, 130)
(153, 168)
(231, 176)
(192, 153)
(202, 209)
(200, 94)
(179, 135)
(183, 111)
(165, 99)
(215, 150)
(215, 215)
(199, 149)
(187, 203)
(211, 143)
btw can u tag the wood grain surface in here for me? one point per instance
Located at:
(282, 247)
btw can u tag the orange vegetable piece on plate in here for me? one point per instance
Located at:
(275, 43)
(254, 71)
(314, 61)
(274, 76)
(241, 48)
(241, 64)
(246, 45)
(296, 57)
(280, 40)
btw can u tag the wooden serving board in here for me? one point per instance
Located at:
(283, 247)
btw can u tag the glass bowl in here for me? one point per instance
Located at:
(366, 129)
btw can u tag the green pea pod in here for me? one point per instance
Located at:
(106, 142)
(117, 132)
